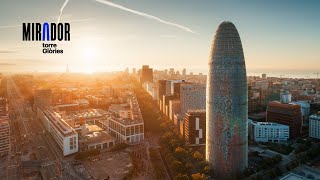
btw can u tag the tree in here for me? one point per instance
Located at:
(181, 177)
(198, 176)
(181, 153)
(197, 155)
(178, 167)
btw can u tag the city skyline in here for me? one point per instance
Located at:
(280, 33)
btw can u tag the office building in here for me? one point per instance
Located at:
(227, 104)
(129, 130)
(286, 113)
(269, 132)
(165, 101)
(146, 74)
(164, 89)
(264, 76)
(174, 108)
(184, 72)
(305, 108)
(64, 135)
(195, 127)
(285, 96)
(192, 96)
(314, 126)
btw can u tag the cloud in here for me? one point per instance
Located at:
(7, 52)
(7, 64)
(146, 15)
(14, 26)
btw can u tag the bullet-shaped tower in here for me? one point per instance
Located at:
(227, 104)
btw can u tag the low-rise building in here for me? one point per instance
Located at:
(129, 130)
(65, 136)
(94, 137)
(126, 130)
(269, 132)
(121, 110)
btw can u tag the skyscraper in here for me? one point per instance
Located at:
(227, 104)
(67, 69)
(146, 74)
(184, 72)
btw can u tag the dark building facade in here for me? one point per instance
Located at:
(146, 74)
(195, 127)
(314, 107)
(287, 114)
(161, 88)
(176, 88)
(165, 101)
(254, 100)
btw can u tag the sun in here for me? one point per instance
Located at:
(89, 54)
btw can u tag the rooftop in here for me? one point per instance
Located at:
(91, 113)
(97, 137)
(93, 128)
(267, 123)
(57, 121)
(315, 116)
(196, 111)
(284, 105)
(125, 122)
(119, 107)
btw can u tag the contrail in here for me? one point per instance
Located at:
(61, 10)
(146, 15)
(4, 27)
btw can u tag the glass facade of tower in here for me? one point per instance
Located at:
(227, 104)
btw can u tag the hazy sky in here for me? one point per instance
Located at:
(278, 36)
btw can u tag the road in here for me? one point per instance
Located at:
(27, 135)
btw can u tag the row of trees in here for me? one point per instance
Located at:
(156, 164)
(308, 155)
(183, 161)
(24, 83)
(149, 109)
(269, 165)
(280, 148)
